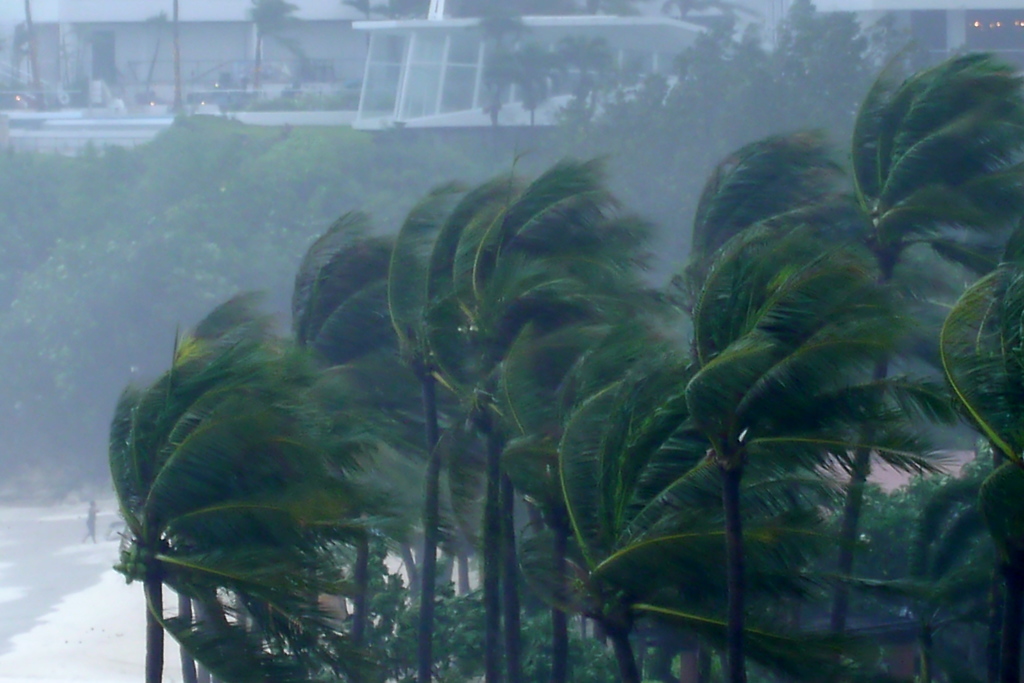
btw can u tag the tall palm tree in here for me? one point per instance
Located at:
(339, 310)
(783, 329)
(981, 355)
(934, 163)
(603, 414)
(230, 500)
(465, 280)
(272, 19)
(414, 296)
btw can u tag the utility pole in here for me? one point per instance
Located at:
(176, 106)
(33, 58)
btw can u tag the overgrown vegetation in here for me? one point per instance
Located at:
(597, 458)
(669, 464)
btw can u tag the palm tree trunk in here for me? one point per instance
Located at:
(926, 654)
(735, 579)
(463, 560)
(33, 57)
(628, 672)
(362, 581)
(492, 558)
(188, 665)
(510, 584)
(852, 508)
(995, 626)
(177, 104)
(703, 665)
(559, 619)
(1013, 612)
(996, 603)
(854, 503)
(431, 532)
(154, 588)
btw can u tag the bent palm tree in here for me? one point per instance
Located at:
(935, 162)
(339, 309)
(783, 330)
(982, 357)
(230, 500)
(272, 19)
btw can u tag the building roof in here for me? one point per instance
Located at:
(639, 32)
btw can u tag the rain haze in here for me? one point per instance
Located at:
(511, 341)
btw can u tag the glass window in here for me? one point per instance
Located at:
(459, 82)
(428, 49)
(464, 49)
(383, 71)
(387, 49)
(421, 86)
(380, 90)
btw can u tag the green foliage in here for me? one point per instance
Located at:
(233, 496)
(939, 152)
(107, 252)
(458, 654)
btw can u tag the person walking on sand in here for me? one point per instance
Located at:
(90, 522)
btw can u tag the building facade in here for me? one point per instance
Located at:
(441, 72)
(126, 45)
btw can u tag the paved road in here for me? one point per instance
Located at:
(43, 559)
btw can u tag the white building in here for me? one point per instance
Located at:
(434, 72)
(127, 44)
(938, 27)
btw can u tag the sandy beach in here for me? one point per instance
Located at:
(67, 616)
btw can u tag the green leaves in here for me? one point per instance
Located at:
(234, 489)
(980, 347)
(940, 150)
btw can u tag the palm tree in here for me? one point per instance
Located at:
(413, 298)
(506, 255)
(948, 574)
(981, 355)
(934, 163)
(782, 331)
(272, 19)
(541, 382)
(586, 61)
(606, 440)
(230, 500)
(339, 310)
(533, 68)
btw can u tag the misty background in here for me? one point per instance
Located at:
(104, 255)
